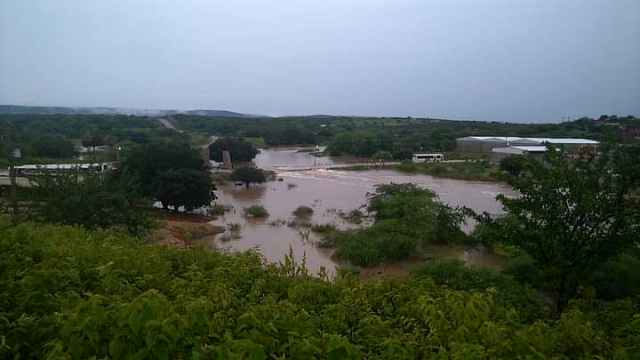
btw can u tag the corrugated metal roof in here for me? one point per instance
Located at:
(519, 149)
(532, 140)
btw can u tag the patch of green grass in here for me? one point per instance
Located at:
(471, 171)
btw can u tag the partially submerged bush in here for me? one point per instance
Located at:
(234, 227)
(218, 209)
(256, 211)
(323, 228)
(303, 211)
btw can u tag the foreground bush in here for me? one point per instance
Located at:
(70, 293)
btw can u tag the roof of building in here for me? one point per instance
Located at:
(531, 140)
(57, 166)
(519, 149)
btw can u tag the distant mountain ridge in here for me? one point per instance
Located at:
(45, 110)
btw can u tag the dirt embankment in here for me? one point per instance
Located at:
(182, 229)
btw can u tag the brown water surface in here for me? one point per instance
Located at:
(328, 192)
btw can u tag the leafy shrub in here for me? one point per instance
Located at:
(618, 278)
(303, 211)
(524, 269)
(256, 211)
(510, 294)
(234, 227)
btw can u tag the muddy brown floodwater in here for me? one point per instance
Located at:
(328, 192)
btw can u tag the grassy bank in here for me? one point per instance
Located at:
(470, 171)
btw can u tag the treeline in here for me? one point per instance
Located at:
(168, 172)
(54, 136)
(400, 136)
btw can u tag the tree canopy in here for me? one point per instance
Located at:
(573, 215)
(186, 188)
(172, 173)
(240, 150)
(89, 199)
(248, 175)
(49, 146)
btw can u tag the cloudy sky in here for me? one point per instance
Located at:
(507, 60)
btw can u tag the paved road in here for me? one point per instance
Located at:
(168, 124)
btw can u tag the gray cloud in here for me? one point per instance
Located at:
(529, 60)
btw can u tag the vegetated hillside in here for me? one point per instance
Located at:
(16, 109)
(401, 136)
(69, 293)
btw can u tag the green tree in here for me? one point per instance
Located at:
(573, 215)
(382, 155)
(90, 199)
(248, 175)
(53, 147)
(240, 150)
(513, 164)
(186, 188)
(359, 143)
(147, 162)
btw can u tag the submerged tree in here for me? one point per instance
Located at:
(248, 175)
(573, 215)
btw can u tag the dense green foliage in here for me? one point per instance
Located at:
(92, 200)
(69, 293)
(401, 136)
(573, 215)
(188, 189)
(513, 164)
(240, 150)
(42, 137)
(406, 217)
(359, 143)
(510, 293)
(53, 147)
(170, 172)
(248, 175)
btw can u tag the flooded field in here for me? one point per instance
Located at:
(328, 192)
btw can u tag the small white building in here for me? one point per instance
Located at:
(424, 158)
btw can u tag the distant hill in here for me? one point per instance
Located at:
(17, 109)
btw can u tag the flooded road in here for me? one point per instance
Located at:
(327, 192)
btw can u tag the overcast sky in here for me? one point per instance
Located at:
(507, 60)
